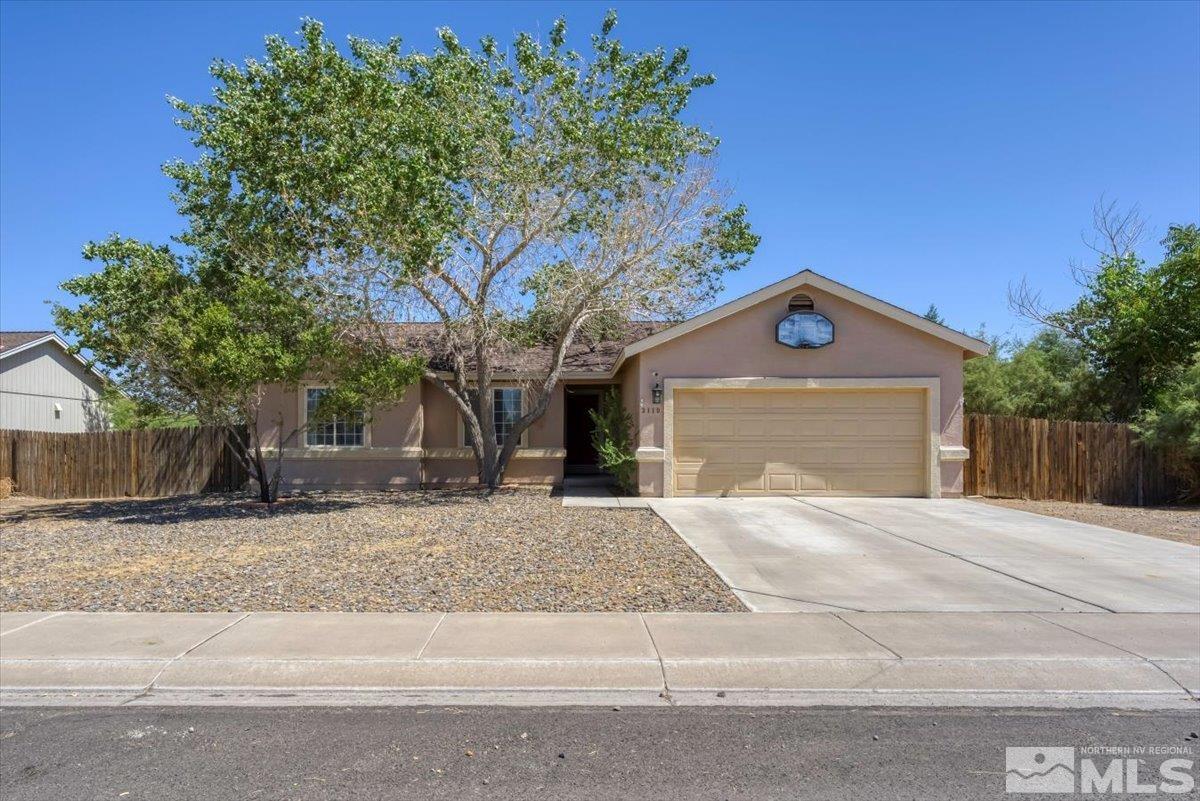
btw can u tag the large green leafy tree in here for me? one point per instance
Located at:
(524, 195)
(190, 335)
(1138, 326)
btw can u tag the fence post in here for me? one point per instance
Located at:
(131, 489)
(1141, 474)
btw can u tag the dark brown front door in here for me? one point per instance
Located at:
(578, 435)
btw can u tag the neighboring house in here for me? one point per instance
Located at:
(45, 387)
(804, 387)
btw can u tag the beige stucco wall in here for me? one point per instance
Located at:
(383, 473)
(866, 345)
(395, 427)
(442, 426)
(521, 470)
(426, 418)
(398, 426)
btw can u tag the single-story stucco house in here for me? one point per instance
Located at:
(804, 387)
(46, 387)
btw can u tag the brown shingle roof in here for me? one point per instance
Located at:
(13, 339)
(585, 357)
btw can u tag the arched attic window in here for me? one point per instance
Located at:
(800, 302)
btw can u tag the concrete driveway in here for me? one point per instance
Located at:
(916, 555)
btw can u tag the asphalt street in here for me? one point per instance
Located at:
(216, 753)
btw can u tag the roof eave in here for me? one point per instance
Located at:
(33, 343)
(566, 375)
(62, 344)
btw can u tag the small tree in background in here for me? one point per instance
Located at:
(190, 336)
(612, 438)
(1047, 376)
(123, 413)
(933, 315)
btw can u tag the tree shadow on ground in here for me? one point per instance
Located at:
(237, 506)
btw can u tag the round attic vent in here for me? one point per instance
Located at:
(800, 302)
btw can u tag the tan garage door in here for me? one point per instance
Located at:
(799, 441)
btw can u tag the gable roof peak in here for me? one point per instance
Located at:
(807, 277)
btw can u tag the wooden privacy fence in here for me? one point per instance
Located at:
(1061, 460)
(113, 464)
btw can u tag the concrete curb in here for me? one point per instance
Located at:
(345, 697)
(893, 659)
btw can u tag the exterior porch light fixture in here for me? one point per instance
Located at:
(656, 391)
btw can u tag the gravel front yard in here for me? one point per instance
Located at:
(1178, 523)
(363, 552)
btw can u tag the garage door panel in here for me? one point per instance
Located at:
(782, 400)
(861, 442)
(721, 457)
(686, 427)
(752, 401)
(878, 427)
(811, 428)
(782, 482)
(690, 455)
(788, 455)
(751, 482)
(876, 456)
(845, 427)
(842, 456)
(813, 482)
(752, 426)
(722, 426)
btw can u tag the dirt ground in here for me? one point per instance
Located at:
(438, 550)
(1178, 523)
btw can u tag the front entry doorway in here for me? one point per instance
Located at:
(579, 402)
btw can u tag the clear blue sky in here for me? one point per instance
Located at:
(919, 152)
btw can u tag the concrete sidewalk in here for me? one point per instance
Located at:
(1144, 661)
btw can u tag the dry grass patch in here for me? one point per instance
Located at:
(1178, 523)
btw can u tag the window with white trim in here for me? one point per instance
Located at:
(506, 410)
(338, 431)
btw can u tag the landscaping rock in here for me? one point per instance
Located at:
(404, 551)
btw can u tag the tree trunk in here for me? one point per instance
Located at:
(252, 461)
(266, 492)
(491, 471)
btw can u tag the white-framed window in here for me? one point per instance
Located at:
(343, 432)
(507, 408)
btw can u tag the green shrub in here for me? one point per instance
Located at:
(1172, 425)
(613, 440)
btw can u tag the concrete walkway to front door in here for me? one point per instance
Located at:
(919, 555)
